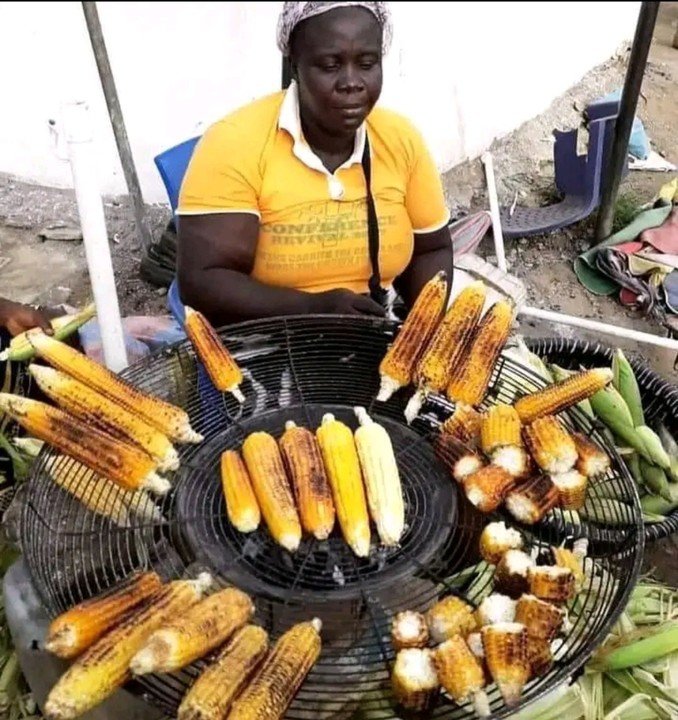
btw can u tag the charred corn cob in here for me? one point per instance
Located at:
(198, 631)
(171, 420)
(540, 618)
(470, 382)
(539, 655)
(475, 644)
(551, 445)
(552, 583)
(448, 617)
(409, 630)
(104, 667)
(571, 486)
(463, 424)
(530, 500)
(305, 467)
(505, 648)
(105, 414)
(513, 459)
(382, 478)
(414, 679)
(75, 630)
(510, 576)
(266, 469)
(562, 395)
(460, 460)
(400, 361)
(496, 539)
(125, 464)
(496, 608)
(211, 695)
(461, 675)
(486, 488)
(591, 460)
(279, 678)
(342, 463)
(222, 369)
(568, 559)
(242, 506)
(447, 346)
(500, 427)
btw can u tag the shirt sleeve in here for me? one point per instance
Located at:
(223, 174)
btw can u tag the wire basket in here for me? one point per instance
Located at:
(300, 368)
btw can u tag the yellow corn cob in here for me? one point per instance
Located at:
(500, 427)
(87, 404)
(400, 361)
(214, 355)
(571, 486)
(267, 471)
(562, 395)
(552, 583)
(195, 633)
(510, 576)
(550, 444)
(278, 680)
(305, 467)
(127, 465)
(447, 346)
(505, 646)
(242, 506)
(531, 499)
(448, 617)
(470, 382)
(414, 680)
(539, 656)
(460, 460)
(169, 419)
(340, 456)
(463, 424)
(486, 488)
(75, 630)
(540, 618)
(591, 460)
(513, 459)
(381, 477)
(211, 695)
(496, 539)
(461, 675)
(409, 630)
(567, 559)
(104, 667)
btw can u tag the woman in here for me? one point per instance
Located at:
(274, 206)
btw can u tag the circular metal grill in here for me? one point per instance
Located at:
(299, 368)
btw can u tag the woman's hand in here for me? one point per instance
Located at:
(18, 318)
(345, 302)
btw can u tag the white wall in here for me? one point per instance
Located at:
(465, 72)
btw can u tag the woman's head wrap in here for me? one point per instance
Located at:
(295, 12)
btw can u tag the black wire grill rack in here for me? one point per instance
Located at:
(299, 369)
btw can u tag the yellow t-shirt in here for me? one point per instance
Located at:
(313, 224)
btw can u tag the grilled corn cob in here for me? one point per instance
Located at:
(127, 465)
(105, 414)
(211, 695)
(414, 679)
(571, 486)
(275, 684)
(461, 675)
(568, 559)
(75, 630)
(266, 469)
(470, 382)
(214, 355)
(529, 501)
(552, 583)
(551, 445)
(540, 618)
(496, 539)
(198, 631)
(510, 576)
(409, 630)
(591, 460)
(513, 459)
(400, 361)
(382, 478)
(242, 506)
(500, 427)
(486, 488)
(460, 460)
(562, 395)
(304, 464)
(463, 424)
(171, 420)
(104, 667)
(496, 608)
(448, 617)
(539, 655)
(505, 648)
(475, 644)
(342, 463)
(448, 345)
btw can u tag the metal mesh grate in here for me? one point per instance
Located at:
(299, 368)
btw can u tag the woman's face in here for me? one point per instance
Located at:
(336, 57)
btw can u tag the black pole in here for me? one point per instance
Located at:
(96, 37)
(627, 112)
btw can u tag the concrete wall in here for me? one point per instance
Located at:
(465, 72)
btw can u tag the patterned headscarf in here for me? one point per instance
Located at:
(294, 12)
